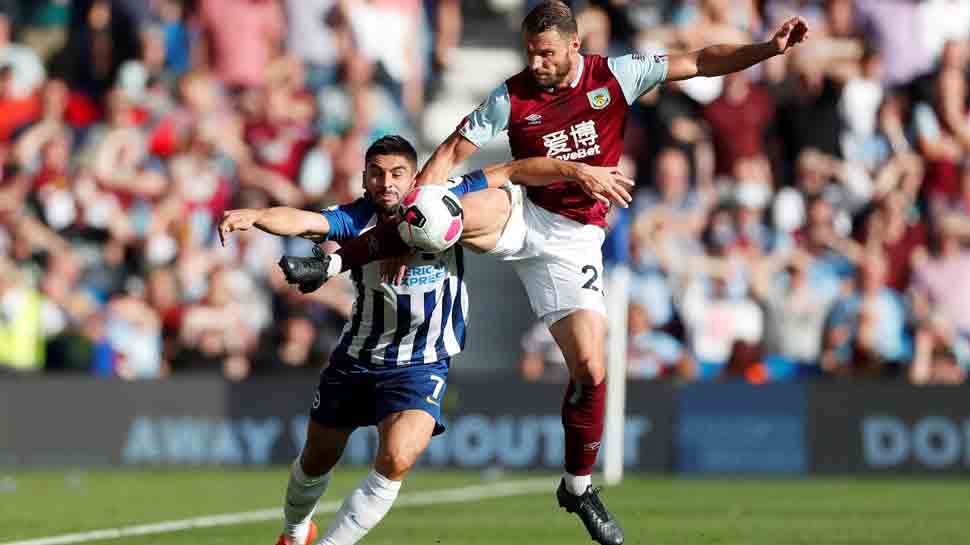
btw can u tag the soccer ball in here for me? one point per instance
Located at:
(432, 219)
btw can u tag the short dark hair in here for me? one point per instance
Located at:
(550, 15)
(392, 144)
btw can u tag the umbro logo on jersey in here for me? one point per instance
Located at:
(534, 119)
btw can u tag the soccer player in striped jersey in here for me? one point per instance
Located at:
(390, 368)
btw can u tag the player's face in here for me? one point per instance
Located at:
(550, 56)
(387, 179)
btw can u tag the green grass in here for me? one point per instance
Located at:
(653, 511)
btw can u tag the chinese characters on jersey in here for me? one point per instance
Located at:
(576, 142)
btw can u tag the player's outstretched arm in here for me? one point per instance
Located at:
(606, 184)
(455, 149)
(717, 60)
(280, 220)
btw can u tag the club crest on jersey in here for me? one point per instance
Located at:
(599, 98)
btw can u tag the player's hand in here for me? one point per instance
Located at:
(605, 184)
(792, 32)
(241, 219)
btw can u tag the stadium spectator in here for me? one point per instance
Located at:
(739, 120)
(390, 35)
(862, 96)
(794, 316)
(170, 17)
(835, 254)
(716, 321)
(26, 71)
(897, 30)
(103, 35)
(313, 38)
(137, 75)
(893, 228)
(810, 118)
(134, 332)
(22, 322)
(279, 132)
(44, 27)
(241, 37)
(866, 330)
(751, 193)
(668, 118)
(653, 353)
(672, 206)
(943, 134)
(939, 278)
(942, 355)
(219, 331)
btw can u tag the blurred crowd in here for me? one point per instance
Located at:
(127, 127)
(805, 218)
(808, 217)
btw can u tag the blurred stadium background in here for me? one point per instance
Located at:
(798, 299)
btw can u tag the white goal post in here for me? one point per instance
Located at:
(617, 303)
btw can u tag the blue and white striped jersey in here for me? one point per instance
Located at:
(423, 319)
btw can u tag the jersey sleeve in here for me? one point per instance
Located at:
(638, 73)
(473, 181)
(348, 220)
(489, 119)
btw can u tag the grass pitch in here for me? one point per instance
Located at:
(653, 511)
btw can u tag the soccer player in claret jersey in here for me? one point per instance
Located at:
(391, 365)
(569, 106)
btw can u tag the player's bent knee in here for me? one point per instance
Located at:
(394, 466)
(589, 370)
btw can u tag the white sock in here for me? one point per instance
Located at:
(362, 510)
(302, 493)
(336, 263)
(577, 484)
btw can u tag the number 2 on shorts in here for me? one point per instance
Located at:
(590, 284)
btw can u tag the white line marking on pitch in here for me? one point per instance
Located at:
(429, 497)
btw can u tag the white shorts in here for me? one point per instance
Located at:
(558, 260)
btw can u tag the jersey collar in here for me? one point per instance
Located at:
(579, 73)
(575, 82)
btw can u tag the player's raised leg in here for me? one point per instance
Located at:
(580, 335)
(486, 213)
(403, 437)
(309, 478)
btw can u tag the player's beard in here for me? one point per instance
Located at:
(387, 202)
(391, 204)
(554, 79)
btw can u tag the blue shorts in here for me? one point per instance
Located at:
(352, 394)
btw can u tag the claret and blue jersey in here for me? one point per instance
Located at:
(583, 122)
(423, 319)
